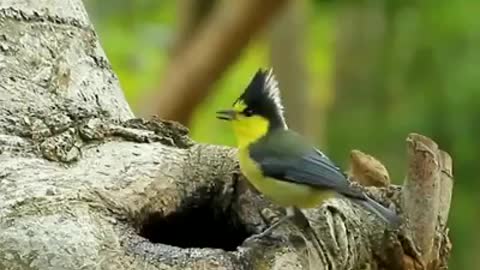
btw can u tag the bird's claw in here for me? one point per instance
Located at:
(263, 236)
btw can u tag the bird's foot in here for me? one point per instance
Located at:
(267, 233)
(260, 237)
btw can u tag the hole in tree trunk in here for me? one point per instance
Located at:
(195, 226)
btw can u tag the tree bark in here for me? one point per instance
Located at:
(83, 185)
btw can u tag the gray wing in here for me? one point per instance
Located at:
(287, 158)
(303, 166)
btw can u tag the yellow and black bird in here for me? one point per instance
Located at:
(280, 163)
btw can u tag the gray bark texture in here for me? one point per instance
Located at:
(85, 185)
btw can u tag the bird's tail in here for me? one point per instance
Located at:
(376, 208)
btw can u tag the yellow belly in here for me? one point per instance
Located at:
(281, 192)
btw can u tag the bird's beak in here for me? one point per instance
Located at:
(226, 115)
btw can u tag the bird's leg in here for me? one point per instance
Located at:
(290, 213)
(302, 220)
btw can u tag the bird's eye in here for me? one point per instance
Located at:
(248, 112)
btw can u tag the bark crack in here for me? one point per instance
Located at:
(42, 17)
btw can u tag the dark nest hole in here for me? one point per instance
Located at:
(196, 225)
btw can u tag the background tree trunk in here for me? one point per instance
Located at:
(210, 51)
(287, 55)
(83, 185)
(191, 14)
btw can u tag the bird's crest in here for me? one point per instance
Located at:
(263, 96)
(271, 89)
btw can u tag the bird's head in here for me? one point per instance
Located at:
(257, 111)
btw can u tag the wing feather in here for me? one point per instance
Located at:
(284, 158)
(310, 167)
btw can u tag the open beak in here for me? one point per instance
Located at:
(226, 115)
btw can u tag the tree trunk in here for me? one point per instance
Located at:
(83, 185)
(191, 14)
(216, 45)
(287, 55)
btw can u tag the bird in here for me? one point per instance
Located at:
(280, 163)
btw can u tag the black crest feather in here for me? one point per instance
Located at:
(262, 96)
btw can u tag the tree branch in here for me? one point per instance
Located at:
(191, 15)
(428, 188)
(214, 47)
(446, 187)
(287, 56)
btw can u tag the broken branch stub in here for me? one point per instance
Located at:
(421, 192)
(367, 170)
(446, 187)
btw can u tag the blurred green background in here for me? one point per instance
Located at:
(373, 71)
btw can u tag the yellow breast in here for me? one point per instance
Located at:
(280, 192)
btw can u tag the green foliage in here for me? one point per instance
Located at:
(418, 73)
